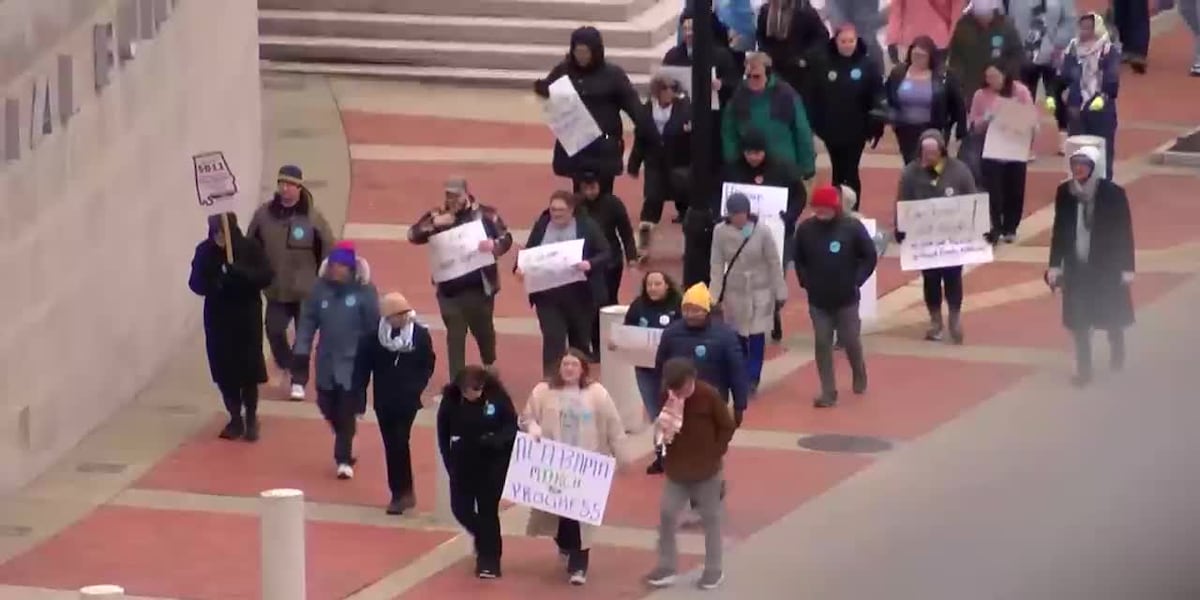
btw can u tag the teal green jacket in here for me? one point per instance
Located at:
(778, 112)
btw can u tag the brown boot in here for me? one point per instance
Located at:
(934, 333)
(956, 331)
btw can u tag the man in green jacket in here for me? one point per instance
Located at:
(767, 104)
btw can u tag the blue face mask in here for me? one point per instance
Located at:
(747, 229)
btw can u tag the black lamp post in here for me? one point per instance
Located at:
(697, 244)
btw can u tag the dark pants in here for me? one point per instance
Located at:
(845, 323)
(659, 184)
(475, 490)
(1031, 74)
(395, 428)
(570, 542)
(339, 407)
(697, 247)
(1005, 184)
(908, 138)
(647, 384)
(844, 162)
(947, 281)
(564, 324)
(606, 185)
(1083, 349)
(1132, 18)
(278, 316)
(468, 311)
(240, 400)
(754, 350)
(612, 286)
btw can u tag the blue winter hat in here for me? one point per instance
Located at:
(291, 174)
(737, 203)
(344, 256)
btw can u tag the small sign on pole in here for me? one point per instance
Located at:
(216, 187)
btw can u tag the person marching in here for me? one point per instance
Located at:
(1091, 80)
(401, 362)
(657, 306)
(344, 308)
(476, 427)
(788, 31)
(662, 143)
(233, 335)
(911, 20)
(1092, 260)
(1004, 180)
(982, 36)
(922, 95)
(610, 216)
(1047, 26)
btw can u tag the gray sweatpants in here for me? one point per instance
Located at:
(846, 323)
(1189, 11)
(706, 497)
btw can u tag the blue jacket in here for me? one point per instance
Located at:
(717, 353)
(347, 315)
(1102, 122)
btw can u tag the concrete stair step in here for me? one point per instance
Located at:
(455, 76)
(580, 11)
(646, 29)
(523, 57)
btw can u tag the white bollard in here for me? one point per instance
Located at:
(283, 568)
(101, 591)
(1076, 142)
(441, 510)
(616, 374)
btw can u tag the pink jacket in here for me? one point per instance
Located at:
(981, 103)
(908, 19)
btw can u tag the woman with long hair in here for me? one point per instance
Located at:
(572, 408)
(1004, 180)
(922, 95)
(657, 306)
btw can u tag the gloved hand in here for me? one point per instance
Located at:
(1127, 277)
(898, 236)
(1051, 104)
(541, 87)
(737, 417)
(1097, 104)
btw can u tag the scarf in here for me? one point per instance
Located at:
(394, 341)
(779, 18)
(661, 115)
(669, 421)
(1085, 193)
(566, 233)
(1089, 55)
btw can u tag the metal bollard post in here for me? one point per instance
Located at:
(101, 591)
(616, 374)
(441, 510)
(283, 545)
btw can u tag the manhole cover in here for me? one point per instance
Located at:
(100, 467)
(15, 530)
(846, 444)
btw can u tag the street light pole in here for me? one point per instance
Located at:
(697, 246)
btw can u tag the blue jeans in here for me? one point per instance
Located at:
(755, 349)
(647, 383)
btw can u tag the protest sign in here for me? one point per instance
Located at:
(684, 76)
(455, 251)
(944, 232)
(638, 345)
(868, 304)
(552, 265)
(559, 479)
(569, 119)
(767, 202)
(215, 183)
(1010, 133)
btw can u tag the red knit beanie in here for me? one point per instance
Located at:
(827, 196)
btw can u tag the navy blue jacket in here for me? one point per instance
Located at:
(401, 377)
(717, 353)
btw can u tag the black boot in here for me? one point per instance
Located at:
(956, 331)
(234, 429)
(777, 329)
(656, 467)
(825, 400)
(251, 433)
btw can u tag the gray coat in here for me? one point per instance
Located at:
(347, 317)
(917, 183)
(1059, 25)
(755, 280)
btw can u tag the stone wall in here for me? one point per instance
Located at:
(98, 211)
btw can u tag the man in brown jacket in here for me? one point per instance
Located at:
(296, 238)
(697, 436)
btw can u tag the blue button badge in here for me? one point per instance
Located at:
(835, 247)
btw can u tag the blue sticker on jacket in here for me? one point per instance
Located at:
(298, 232)
(351, 300)
(701, 351)
(835, 247)
(856, 73)
(997, 41)
(906, 85)
(489, 409)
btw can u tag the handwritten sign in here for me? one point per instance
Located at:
(215, 182)
(944, 232)
(765, 201)
(569, 119)
(559, 479)
(639, 345)
(551, 266)
(1010, 133)
(684, 76)
(455, 252)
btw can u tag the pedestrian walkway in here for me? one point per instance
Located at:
(155, 502)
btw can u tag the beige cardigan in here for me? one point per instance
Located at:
(541, 418)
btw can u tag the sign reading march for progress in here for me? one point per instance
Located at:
(559, 479)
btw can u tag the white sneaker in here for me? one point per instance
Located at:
(345, 472)
(578, 578)
(297, 392)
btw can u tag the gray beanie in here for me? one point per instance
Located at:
(737, 203)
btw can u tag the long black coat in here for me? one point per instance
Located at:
(1093, 294)
(401, 377)
(846, 104)
(233, 333)
(595, 250)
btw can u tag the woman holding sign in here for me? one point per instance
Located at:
(476, 425)
(656, 307)
(565, 312)
(1004, 180)
(572, 408)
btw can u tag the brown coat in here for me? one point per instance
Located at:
(698, 449)
(607, 436)
(295, 240)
